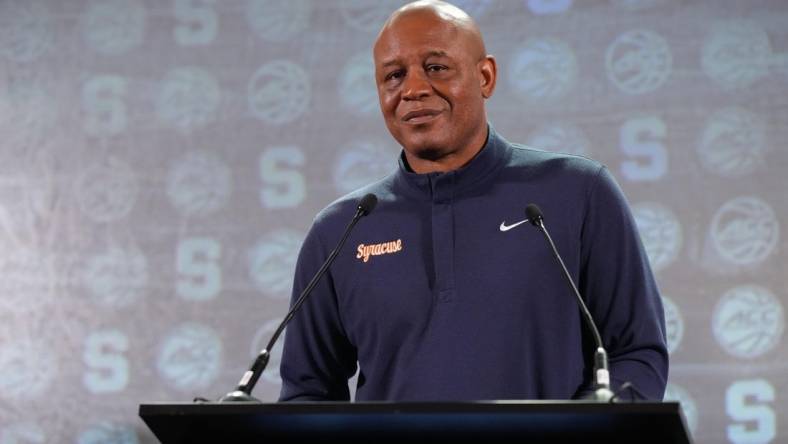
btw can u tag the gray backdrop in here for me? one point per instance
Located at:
(161, 161)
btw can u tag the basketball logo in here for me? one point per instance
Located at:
(107, 432)
(364, 15)
(357, 89)
(188, 98)
(190, 357)
(272, 262)
(26, 30)
(199, 183)
(112, 27)
(733, 142)
(736, 54)
(279, 92)
(107, 191)
(544, 69)
(745, 231)
(748, 321)
(28, 367)
(117, 277)
(638, 61)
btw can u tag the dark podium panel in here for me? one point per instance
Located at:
(483, 422)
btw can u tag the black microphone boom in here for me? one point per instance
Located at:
(243, 392)
(602, 390)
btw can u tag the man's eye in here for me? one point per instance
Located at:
(435, 68)
(394, 75)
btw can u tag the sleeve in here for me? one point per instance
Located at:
(622, 295)
(318, 358)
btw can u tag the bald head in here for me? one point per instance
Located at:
(433, 76)
(444, 13)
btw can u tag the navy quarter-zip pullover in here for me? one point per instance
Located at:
(437, 298)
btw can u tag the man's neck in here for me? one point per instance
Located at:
(450, 162)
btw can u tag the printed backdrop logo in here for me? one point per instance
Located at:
(560, 137)
(543, 69)
(279, 92)
(365, 251)
(107, 191)
(638, 61)
(190, 357)
(660, 231)
(276, 20)
(357, 85)
(745, 231)
(117, 277)
(736, 54)
(748, 321)
(674, 324)
(188, 98)
(361, 163)
(199, 183)
(272, 262)
(733, 142)
(25, 30)
(112, 27)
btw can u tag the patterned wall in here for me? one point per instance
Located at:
(161, 161)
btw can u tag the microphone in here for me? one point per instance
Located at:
(602, 392)
(243, 392)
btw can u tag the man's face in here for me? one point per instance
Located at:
(431, 83)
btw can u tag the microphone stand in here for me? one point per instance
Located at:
(243, 391)
(602, 391)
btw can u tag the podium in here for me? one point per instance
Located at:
(432, 422)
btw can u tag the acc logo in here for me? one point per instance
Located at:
(271, 373)
(748, 321)
(638, 61)
(190, 356)
(736, 54)
(272, 262)
(674, 324)
(357, 85)
(113, 27)
(199, 183)
(279, 92)
(188, 98)
(543, 69)
(677, 393)
(108, 433)
(733, 142)
(560, 137)
(660, 231)
(107, 191)
(361, 163)
(117, 277)
(278, 21)
(745, 231)
(26, 32)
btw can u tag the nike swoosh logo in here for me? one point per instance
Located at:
(505, 227)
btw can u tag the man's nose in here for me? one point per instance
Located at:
(416, 85)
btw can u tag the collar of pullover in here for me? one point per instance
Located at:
(443, 187)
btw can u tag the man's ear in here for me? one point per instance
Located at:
(488, 74)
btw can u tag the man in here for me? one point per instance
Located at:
(437, 296)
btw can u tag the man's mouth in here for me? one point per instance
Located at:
(420, 116)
